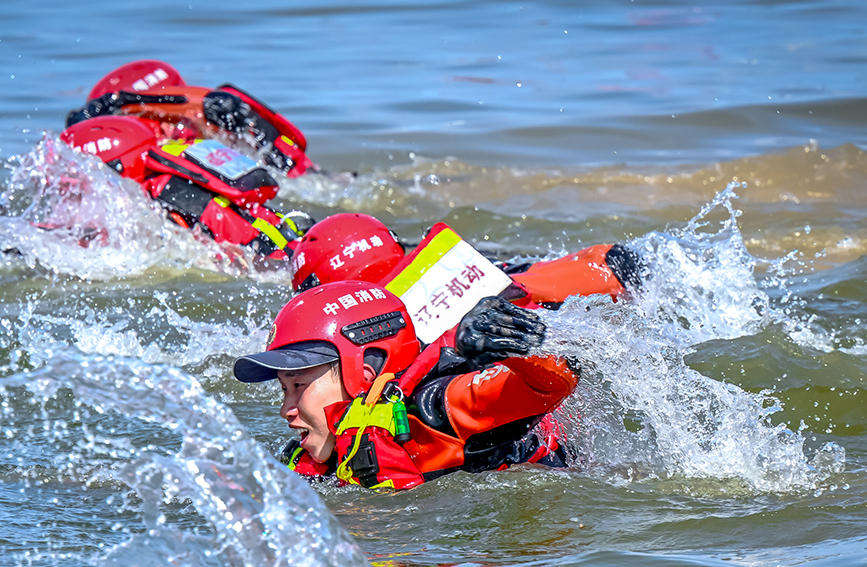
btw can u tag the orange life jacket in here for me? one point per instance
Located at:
(177, 113)
(474, 421)
(182, 119)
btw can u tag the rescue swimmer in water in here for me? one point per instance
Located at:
(147, 124)
(375, 409)
(352, 246)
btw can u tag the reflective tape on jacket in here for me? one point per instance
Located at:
(271, 232)
(436, 249)
(359, 416)
(445, 278)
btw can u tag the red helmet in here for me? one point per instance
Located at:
(138, 76)
(121, 142)
(348, 246)
(346, 320)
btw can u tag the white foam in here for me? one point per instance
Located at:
(68, 213)
(258, 512)
(682, 423)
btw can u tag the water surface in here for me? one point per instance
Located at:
(724, 420)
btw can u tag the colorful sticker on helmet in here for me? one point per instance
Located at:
(438, 294)
(215, 157)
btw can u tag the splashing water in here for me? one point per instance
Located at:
(701, 285)
(253, 511)
(69, 213)
(186, 343)
(642, 406)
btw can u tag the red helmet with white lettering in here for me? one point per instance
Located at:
(121, 142)
(138, 76)
(353, 322)
(348, 246)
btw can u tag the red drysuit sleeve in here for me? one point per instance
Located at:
(514, 389)
(581, 273)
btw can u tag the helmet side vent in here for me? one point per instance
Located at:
(375, 328)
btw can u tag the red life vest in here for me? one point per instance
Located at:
(204, 183)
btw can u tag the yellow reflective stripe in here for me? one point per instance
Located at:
(271, 232)
(292, 226)
(360, 416)
(436, 249)
(384, 484)
(222, 201)
(174, 148)
(293, 460)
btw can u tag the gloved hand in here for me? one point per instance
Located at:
(227, 111)
(495, 329)
(112, 103)
(105, 105)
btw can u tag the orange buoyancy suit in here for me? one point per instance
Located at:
(254, 226)
(186, 113)
(154, 92)
(604, 268)
(470, 421)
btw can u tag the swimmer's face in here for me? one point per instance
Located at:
(306, 394)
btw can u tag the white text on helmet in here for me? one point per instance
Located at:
(352, 299)
(150, 80)
(298, 262)
(101, 145)
(350, 250)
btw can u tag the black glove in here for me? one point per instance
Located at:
(227, 111)
(495, 329)
(627, 266)
(105, 105)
